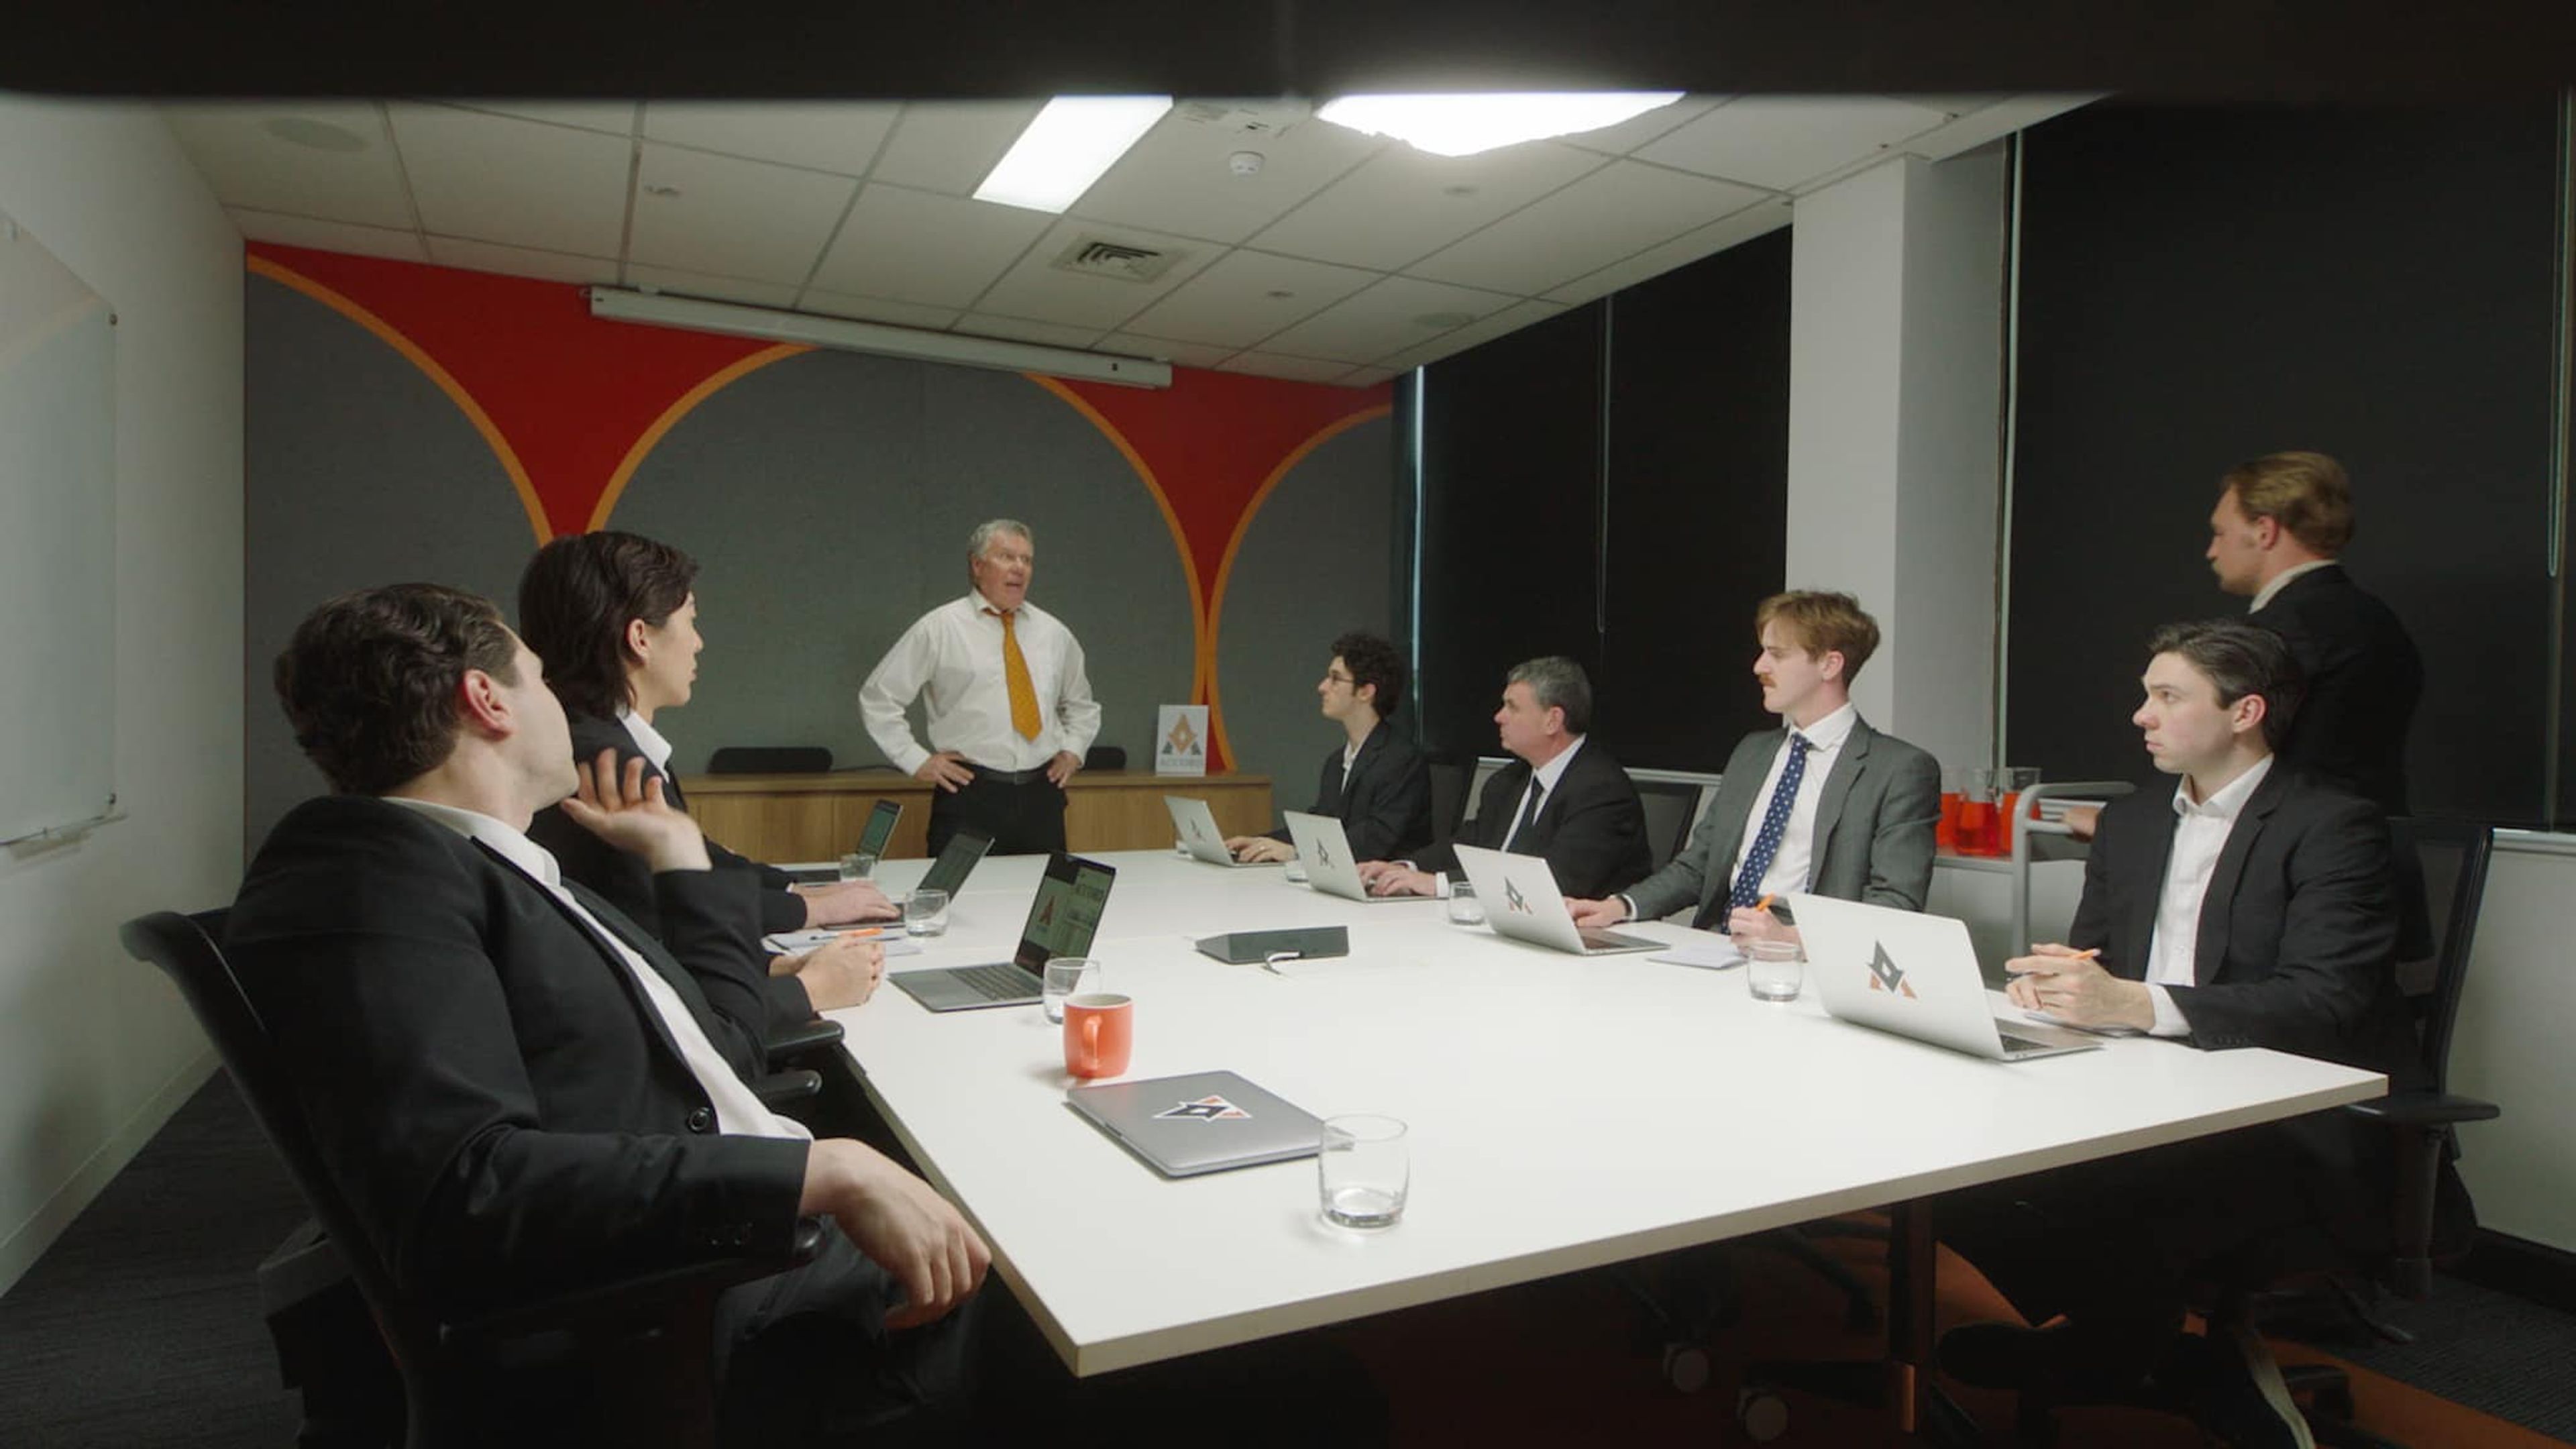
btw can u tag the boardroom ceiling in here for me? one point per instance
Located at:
(1272, 243)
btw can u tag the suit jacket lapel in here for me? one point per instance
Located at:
(1838, 788)
(597, 937)
(1727, 812)
(1358, 767)
(2209, 942)
(2134, 935)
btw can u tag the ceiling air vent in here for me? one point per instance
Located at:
(1119, 261)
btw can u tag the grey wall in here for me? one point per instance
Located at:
(1312, 565)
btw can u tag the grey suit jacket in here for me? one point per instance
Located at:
(1874, 829)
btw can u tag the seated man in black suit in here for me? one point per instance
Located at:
(614, 615)
(1862, 806)
(1562, 797)
(519, 1089)
(2251, 906)
(1375, 784)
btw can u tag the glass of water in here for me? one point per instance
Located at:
(858, 865)
(1774, 970)
(1464, 908)
(1068, 976)
(925, 912)
(1362, 1171)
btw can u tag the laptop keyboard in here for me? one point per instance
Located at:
(2018, 1044)
(995, 983)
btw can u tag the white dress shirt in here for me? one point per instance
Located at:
(2281, 581)
(738, 1110)
(648, 740)
(2201, 829)
(1791, 862)
(951, 657)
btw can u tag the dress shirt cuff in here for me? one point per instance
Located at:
(2169, 1017)
(1623, 899)
(909, 759)
(1440, 884)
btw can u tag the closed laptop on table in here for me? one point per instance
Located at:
(1202, 1122)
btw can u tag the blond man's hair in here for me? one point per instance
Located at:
(1822, 623)
(2308, 494)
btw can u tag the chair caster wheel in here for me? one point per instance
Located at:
(1686, 1367)
(1762, 1414)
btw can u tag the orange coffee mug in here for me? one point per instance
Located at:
(1099, 1033)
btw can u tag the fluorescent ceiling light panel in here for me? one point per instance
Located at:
(1462, 125)
(661, 310)
(1066, 148)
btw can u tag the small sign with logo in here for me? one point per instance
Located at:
(1180, 740)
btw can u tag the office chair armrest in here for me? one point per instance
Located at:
(640, 1297)
(780, 1088)
(2426, 1109)
(785, 1044)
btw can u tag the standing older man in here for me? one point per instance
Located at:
(1008, 704)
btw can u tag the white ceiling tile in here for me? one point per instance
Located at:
(1369, 376)
(950, 145)
(1681, 251)
(1021, 329)
(1510, 319)
(476, 256)
(842, 136)
(1385, 318)
(728, 217)
(1780, 141)
(1618, 210)
(914, 246)
(1402, 205)
(749, 292)
(1231, 303)
(1037, 288)
(245, 159)
(1187, 354)
(513, 181)
(1294, 369)
(614, 118)
(1636, 131)
(327, 236)
(1177, 178)
(2008, 114)
(877, 309)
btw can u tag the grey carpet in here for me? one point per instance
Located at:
(2494, 1352)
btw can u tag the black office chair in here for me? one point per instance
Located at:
(1450, 777)
(770, 760)
(1671, 807)
(645, 1341)
(2302, 1274)
(1105, 757)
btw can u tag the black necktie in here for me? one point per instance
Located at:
(1529, 816)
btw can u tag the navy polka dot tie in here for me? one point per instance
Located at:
(1766, 841)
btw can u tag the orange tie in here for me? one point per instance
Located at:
(1015, 674)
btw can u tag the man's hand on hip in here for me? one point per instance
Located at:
(947, 770)
(1061, 768)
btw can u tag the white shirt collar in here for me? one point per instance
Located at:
(512, 846)
(2282, 579)
(2230, 798)
(1830, 732)
(647, 739)
(1554, 770)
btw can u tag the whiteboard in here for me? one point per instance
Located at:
(57, 543)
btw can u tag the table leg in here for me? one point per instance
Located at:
(1912, 1265)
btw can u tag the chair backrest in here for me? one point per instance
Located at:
(1105, 757)
(1449, 777)
(185, 947)
(1672, 807)
(770, 760)
(2452, 856)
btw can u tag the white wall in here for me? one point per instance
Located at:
(2510, 1044)
(96, 1049)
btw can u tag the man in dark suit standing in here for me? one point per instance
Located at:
(1375, 784)
(1562, 797)
(517, 1088)
(1824, 804)
(2249, 907)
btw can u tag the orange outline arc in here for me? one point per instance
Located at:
(1201, 678)
(1242, 526)
(651, 437)
(444, 380)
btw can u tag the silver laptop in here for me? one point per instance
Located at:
(1196, 826)
(1203, 1122)
(957, 860)
(1326, 853)
(1062, 918)
(872, 841)
(1521, 901)
(1914, 975)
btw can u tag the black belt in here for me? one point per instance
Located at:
(1007, 777)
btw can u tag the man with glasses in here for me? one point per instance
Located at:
(1375, 784)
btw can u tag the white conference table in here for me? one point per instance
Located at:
(1564, 1113)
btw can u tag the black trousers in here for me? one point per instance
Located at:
(1024, 817)
(805, 1358)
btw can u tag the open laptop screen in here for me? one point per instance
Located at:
(1066, 913)
(880, 827)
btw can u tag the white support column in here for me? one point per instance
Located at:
(1895, 404)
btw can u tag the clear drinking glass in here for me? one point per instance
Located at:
(1464, 908)
(1362, 1171)
(1066, 976)
(858, 865)
(1774, 970)
(925, 912)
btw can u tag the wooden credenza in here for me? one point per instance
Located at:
(816, 817)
